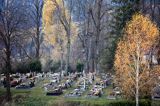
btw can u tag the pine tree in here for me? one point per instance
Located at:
(123, 11)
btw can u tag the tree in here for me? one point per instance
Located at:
(132, 74)
(35, 66)
(12, 18)
(63, 10)
(119, 12)
(151, 7)
(97, 17)
(80, 67)
(57, 38)
(123, 11)
(35, 18)
(60, 44)
(92, 16)
(108, 54)
(85, 34)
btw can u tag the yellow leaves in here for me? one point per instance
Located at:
(48, 10)
(54, 11)
(58, 26)
(51, 29)
(141, 33)
(141, 29)
(50, 6)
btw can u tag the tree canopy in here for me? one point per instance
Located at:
(139, 37)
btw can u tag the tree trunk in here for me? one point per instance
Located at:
(87, 60)
(137, 74)
(61, 68)
(97, 33)
(92, 56)
(89, 54)
(37, 43)
(158, 61)
(96, 59)
(93, 65)
(68, 51)
(8, 69)
(137, 88)
(97, 49)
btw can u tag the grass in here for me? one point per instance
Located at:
(37, 97)
(108, 90)
(2, 91)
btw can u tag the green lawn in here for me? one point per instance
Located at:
(37, 97)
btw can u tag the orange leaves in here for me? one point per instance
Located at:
(140, 35)
(141, 30)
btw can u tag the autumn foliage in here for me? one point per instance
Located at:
(140, 35)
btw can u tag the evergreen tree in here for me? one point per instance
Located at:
(123, 11)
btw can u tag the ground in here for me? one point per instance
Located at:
(37, 97)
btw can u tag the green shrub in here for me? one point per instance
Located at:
(155, 103)
(22, 67)
(79, 67)
(25, 67)
(35, 66)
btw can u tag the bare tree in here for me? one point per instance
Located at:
(93, 20)
(11, 19)
(35, 18)
(98, 13)
(66, 20)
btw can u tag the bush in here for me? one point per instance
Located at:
(155, 103)
(26, 67)
(35, 66)
(55, 66)
(22, 68)
(80, 67)
(52, 66)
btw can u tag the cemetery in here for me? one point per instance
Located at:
(79, 52)
(58, 88)
(75, 86)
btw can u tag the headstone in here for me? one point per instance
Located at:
(84, 83)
